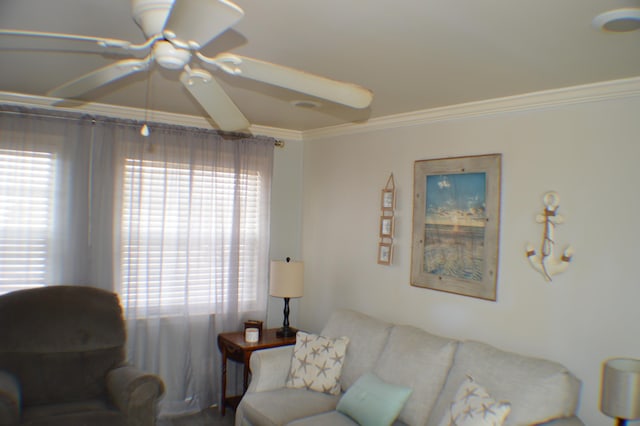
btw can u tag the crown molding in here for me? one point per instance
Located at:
(607, 90)
(601, 91)
(274, 132)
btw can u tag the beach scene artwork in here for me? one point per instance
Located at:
(454, 225)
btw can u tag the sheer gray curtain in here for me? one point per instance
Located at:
(193, 244)
(44, 199)
(177, 223)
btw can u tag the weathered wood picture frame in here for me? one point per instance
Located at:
(456, 223)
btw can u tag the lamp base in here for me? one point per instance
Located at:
(621, 422)
(286, 332)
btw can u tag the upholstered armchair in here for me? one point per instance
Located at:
(62, 361)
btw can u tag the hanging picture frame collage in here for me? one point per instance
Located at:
(387, 222)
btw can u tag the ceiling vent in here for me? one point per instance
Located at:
(618, 20)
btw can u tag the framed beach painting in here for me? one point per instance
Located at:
(456, 223)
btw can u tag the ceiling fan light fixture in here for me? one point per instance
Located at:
(151, 15)
(618, 20)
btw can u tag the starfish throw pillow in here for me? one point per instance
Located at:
(473, 406)
(317, 363)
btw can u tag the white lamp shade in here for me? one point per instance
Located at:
(287, 279)
(621, 388)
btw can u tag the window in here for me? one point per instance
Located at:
(177, 239)
(27, 182)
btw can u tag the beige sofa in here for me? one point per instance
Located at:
(539, 391)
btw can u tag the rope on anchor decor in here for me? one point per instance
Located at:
(545, 262)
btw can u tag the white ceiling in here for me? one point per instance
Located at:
(413, 54)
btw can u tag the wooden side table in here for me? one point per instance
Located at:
(233, 346)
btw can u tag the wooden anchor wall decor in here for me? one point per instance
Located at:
(545, 262)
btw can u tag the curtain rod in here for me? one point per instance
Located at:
(278, 143)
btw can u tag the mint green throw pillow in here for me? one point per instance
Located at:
(373, 402)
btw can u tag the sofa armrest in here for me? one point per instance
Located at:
(270, 368)
(567, 421)
(10, 399)
(135, 393)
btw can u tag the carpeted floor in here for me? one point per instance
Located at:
(208, 417)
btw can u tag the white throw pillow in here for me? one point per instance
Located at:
(317, 363)
(473, 406)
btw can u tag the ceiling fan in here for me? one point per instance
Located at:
(176, 30)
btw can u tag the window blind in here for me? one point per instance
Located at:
(27, 182)
(177, 236)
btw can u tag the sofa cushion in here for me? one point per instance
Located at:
(473, 406)
(420, 360)
(333, 418)
(538, 390)
(317, 362)
(281, 406)
(372, 401)
(367, 337)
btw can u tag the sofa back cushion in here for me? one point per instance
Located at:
(60, 341)
(367, 337)
(419, 360)
(538, 390)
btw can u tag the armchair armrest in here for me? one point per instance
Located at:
(10, 399)
(270, 368)
(135, 393)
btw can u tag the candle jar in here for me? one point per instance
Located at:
(251, 335)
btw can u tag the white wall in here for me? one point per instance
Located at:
(286, 220)
(588, 152)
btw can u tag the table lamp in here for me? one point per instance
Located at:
(621, 389)
(287, 281)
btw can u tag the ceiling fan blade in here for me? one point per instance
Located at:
(101, 41)
(215, 101)
(197, 22)
(348, 94)
(100, 77)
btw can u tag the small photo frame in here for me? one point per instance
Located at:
(388, 201)
(386, 226)
(385, 253)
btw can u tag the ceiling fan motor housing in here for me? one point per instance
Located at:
(170, 57)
